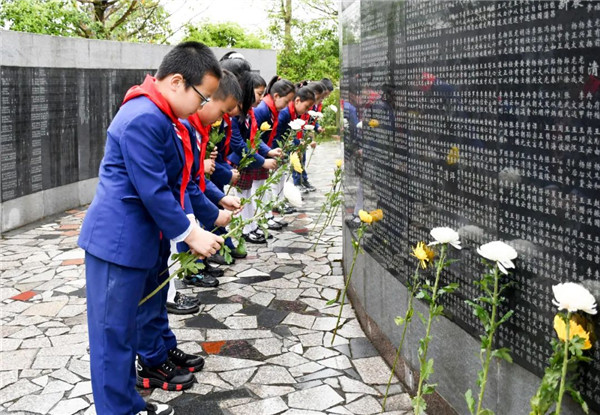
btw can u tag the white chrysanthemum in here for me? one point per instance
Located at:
(315, 114)
(309, 127)
(333, 108)
(499, 252)
(359, 125)
(573, 297)
(297, 124)
(292, 194)
(445, 236)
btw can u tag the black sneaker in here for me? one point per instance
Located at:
(281, 221)
(288, 209)
(186, 361)
(274, 225)
(309, 187)
(201, 280)
(182, 305)
(254, 238)
(165, 376)
(157, 409)
(220, 260)
(302, 189)
(260, 232)
(213, 271)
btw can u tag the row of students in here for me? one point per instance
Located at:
(152, 191)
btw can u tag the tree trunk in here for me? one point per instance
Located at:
(287, 19)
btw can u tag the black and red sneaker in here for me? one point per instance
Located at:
(183, 360)
(165, 376)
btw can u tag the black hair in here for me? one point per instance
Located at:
(249, 81)
(327, 84)
(192, 60)
(305, 94)
(301, 84)
(316, 87)
(281, 87)
(235, 63)
(228, 87)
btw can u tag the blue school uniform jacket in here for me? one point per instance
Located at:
(239, 134)
(262, 114)
(222, 174)
(134, 203)
(204, 204)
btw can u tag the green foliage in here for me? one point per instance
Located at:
(560, 375)
(491, 298)
(313, 55)
(225, 35)
(123, 20)
(50, 17)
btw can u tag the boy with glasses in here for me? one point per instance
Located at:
(134, 208)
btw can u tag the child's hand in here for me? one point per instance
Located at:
(209, 166)
(203, 243)
(224, 218)
(270, 164)
(235, 176)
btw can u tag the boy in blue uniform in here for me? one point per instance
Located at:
(134, 208)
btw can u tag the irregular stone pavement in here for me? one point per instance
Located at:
(266, 330)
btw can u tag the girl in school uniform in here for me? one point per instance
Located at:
(278, 95)
(302, 102)
(244, 128)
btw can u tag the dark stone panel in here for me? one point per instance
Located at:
(54, 123)
(485, 117)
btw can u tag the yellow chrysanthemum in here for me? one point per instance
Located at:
(423, 254)
(296, 165)
(430, 252)
(365, 217)
(377, 215)
(217, 123)
(574, 330)
(373, 123)
(453, 156)
(338, 163)
(265, 126)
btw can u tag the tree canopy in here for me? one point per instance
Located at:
(126, 20)
(224, 35)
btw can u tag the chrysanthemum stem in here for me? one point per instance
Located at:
(563, 378)
(488, 350)
(407, 315)
(356, 251)
(432, 305)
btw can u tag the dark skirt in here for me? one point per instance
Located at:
(247, 176)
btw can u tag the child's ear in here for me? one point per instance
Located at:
(176, 80)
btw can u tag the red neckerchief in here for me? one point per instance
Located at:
(320, 107)
(148, 89)
(253, 128)
(204, 132)
(268, 99)
(227, 121)
(293, 116)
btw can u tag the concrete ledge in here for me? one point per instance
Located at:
(23, 210)
(378, 297)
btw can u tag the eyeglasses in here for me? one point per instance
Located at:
(204, 99)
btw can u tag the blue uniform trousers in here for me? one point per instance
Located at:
(300, 178)
(113, 293)
(154, 337)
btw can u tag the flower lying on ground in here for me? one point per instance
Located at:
(573, 297)
(292, 194)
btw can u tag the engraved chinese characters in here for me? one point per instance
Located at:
(488, 121)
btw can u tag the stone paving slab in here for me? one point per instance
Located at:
(265, 331)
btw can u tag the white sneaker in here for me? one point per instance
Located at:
(153, 408)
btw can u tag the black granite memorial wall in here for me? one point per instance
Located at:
(54, 123)
(483, 116)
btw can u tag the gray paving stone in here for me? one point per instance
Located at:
(373, 370)
(238, 378)
(301, 320)
(269, 347)
(50, 362)
(318, 353)
(288, 360)
(80, 389)
(69, 407)
(351, 385)
(17, 359)
(266, 391)
(18, 389)
(273, 375)
(56, 386)
(222, 363)
(39, 404)
(268, 406)
(8, 377)
(364, 406)
(319, 398)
